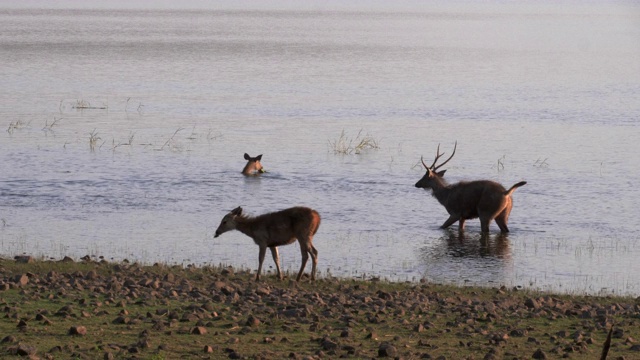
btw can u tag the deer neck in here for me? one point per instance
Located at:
(440, 190)
(245, 225)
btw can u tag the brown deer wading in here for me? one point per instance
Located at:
(253, 167)
(484, 199)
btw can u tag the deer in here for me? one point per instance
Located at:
(275, 229)
(484, 199)
(253, 167)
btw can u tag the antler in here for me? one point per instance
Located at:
(438, 156)
(433, 166)
(423, 164)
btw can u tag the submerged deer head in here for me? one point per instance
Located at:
(484, 199)
(253, 167)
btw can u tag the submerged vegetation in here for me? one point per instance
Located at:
(83, 105)
(345, 145)
(94, 309)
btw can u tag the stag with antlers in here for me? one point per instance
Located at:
(484, 199)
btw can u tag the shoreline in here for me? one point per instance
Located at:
(91, 309)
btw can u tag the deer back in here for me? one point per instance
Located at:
(283, 227)
(468, 198)
(273, 229)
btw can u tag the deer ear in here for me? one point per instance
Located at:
(246, 156)
(237, 211)
(441, 173)
(259, 157)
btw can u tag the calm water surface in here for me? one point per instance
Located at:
(542, 92)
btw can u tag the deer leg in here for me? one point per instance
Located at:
(484, 224)
(305, 256)
(276, 259)
(263, 251)
(461, 225)
(501, 220)
(450, 221)
(314, 262)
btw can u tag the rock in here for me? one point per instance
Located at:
(199, 330)
(143, 344)
(327, 344)
(121, 320)
(55, 349)
(169, 277)
(208, 349)
(491, 355)
(532, 303)
(78, 330)
(26, 350)
(9, 339)
(21, 280)
(24, 259)
(387, 350)
(539, 354)
(91, 275)
(253, 321)
(262, 291)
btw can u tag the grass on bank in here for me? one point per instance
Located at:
(168, 312)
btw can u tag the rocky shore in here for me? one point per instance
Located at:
(92, 309)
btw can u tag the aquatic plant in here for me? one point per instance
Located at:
(170, 141)
(16, 125)
(346, 146)
(93, 139)
(83, 104)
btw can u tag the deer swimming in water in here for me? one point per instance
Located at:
(253, 167)
(484, 199)
(275, 229)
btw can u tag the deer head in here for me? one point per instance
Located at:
(228, 222)
(253, 167)
(433, 177)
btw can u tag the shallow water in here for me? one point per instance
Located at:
(546, 93)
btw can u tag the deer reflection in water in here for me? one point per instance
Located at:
(460, 244)
(458, 257)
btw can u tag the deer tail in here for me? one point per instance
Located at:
(514, 187)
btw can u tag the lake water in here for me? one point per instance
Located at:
(547, 92)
